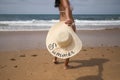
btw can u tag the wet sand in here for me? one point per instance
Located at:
(25, 40)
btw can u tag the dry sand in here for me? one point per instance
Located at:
(23, 56)
(98, 63)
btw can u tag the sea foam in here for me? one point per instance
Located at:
(31, 25)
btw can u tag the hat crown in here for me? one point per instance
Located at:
(64, 39)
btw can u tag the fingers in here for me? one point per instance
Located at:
(69, 22)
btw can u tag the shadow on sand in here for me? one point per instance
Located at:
(92, 62)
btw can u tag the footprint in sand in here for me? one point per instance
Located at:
(34, 55)
(84, 50)
(103, 55)
(91, 48)
(3, 66)
(15, 66)
(23, 55)
(116, 46)
(13, 59)
(107, 49)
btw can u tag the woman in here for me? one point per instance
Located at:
(65, 15)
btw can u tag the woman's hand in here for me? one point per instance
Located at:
(69, 22)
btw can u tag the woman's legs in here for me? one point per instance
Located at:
(55, 60)
(66, 63)
(66, 66)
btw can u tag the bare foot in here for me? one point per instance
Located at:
(68, 67)
(55, 62)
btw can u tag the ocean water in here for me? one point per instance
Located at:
(37, 22)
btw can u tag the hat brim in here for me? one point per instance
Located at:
(66, 52)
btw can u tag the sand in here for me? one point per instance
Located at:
(98, 63)
(21, 60)
(22, 40)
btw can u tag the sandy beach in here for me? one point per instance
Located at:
(22, 40)
(23, 56)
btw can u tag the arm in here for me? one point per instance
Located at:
(68, 11)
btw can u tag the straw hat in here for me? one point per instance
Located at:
(62, 41)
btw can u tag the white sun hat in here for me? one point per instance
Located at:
(62, 41)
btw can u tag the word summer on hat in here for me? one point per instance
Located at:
(62, 41)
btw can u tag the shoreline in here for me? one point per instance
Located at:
(34, 30)
(25, 40)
